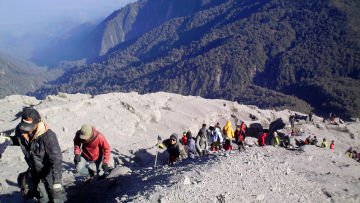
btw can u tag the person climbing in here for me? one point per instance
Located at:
(91, 150)
(323, 144)
(261, 140)
(332, 145)
(176, 150)
(228, 130)
(215, 138)
(240, 135)
(191, 148)
(311, 116)
(42, 153)
(276, 138)
(184, 138)
(227, 146)
(292, 121)
(202, 140)
(314, 141)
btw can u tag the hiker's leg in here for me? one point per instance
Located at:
(81, 167)
(44, 191)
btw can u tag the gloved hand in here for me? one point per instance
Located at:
(58, 193)
(161, 146)
(105, 168)
(77, 159)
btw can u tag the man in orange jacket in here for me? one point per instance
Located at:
(91, 151)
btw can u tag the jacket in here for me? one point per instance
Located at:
(228, 130)
(93, 148)
(201, 140)
(42, 153)
(176, 150)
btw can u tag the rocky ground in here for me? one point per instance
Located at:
(131, 123)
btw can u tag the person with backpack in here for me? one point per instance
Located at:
(174, 148)
(202, 140)
(215, 138)
(228, 130)
(240, 136)
(191, 147)
(39, 144)
(91, 150)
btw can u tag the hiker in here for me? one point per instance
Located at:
(323, 144)
(175, 149)
(42, 153)
(191, 148)
(314, 141)
(91, 151)
(292, 121)
(228, 130)
(261, 140)
(184, 138)
(310, 116)
(276, 138)
(215, 138)
(202, 140)
(332, 145)
(227, 146)
(308, 140)
(217, 125)
(240, 136)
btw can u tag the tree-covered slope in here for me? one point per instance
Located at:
(236, 50)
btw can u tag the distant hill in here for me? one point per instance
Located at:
(248, 51)
(20, 77)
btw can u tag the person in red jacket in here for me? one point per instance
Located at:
(261, 140)
(91, 151)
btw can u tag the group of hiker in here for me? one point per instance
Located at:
(214, 138)
(39, 144)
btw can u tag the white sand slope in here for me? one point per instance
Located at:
(132, 122)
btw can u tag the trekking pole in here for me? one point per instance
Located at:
(157, 150)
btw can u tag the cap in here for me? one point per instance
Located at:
(30, 117)
(86, 132)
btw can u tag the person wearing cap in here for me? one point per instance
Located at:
(91, 151)
(42, 153)
(174, 148)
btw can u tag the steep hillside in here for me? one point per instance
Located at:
(236, 50)
(126, 24)
(20, 77)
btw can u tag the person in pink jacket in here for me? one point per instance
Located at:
(91, 151)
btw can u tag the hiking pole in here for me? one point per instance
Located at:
(157, 149)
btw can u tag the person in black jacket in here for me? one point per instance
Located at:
(42, 153)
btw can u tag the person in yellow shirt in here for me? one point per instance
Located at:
(228, 130)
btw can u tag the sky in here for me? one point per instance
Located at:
(22, 13)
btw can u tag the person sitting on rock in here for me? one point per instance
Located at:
(323, 144)
(91, 150)
(227, 146)
(314, 141)
(308, 140)
(174, 148)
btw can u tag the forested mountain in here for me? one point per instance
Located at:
(20, 77)
(255, 52)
